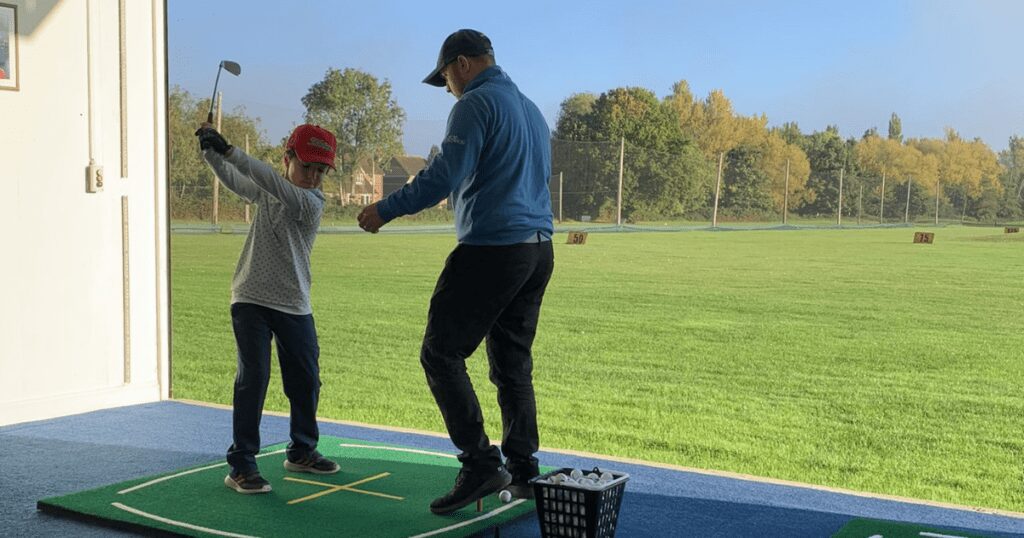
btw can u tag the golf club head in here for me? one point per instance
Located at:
(232, 67)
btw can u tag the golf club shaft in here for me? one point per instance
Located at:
(213, 98)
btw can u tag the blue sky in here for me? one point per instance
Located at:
(936, 63)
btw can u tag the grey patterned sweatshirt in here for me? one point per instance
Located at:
(273, 270)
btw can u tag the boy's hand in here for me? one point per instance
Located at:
(209, 138)
(369, 219)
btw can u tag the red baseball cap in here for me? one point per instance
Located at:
(313, 144)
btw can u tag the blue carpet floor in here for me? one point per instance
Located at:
(64, 455)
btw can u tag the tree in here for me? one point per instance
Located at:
(187, 169)
(715, 126)
(746, 189)
(895, 128)
(885, 162)
(665, 175)
(683, 107)
(790, 132)
(965, 171)
(776, 153)
(361, 113)
(191, 179)
(1011, 205)
(573, 116)
(828, 155)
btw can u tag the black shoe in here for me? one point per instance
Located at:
(470, 486)
(522, 472)
(247, 484)
(521, 488)
(314, 463)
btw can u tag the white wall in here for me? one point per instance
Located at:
(64, 318)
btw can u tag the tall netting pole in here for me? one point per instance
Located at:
(216, 182)
(937, 188)
(860, 202)
(881, 202)
(718, 188)
(559, 197)
(622, 160)
(906, 213)
(785, 197)
(839, 214)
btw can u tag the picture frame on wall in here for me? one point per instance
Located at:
(8, 47)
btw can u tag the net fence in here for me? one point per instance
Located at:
(617, 186)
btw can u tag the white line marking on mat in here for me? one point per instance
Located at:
(178, 523)
(400, 449)
(933, 535)
(183, 473)
(492, 513)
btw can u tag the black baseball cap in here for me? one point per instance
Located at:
(464, 42)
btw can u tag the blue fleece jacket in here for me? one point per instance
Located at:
(495, 158)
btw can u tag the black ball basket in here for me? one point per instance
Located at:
(575, 511)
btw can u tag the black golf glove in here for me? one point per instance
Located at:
(211, 139)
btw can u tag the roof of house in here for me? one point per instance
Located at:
(407, 165)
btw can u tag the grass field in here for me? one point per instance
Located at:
(846, 358)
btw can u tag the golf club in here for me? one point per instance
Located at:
(231, 67)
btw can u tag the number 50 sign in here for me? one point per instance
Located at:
(576, 238)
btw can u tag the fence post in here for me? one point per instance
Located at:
(839, 217)
(622, 158)
(559, 197)
(718, 186)
(216, 182)
(785, 203)
(860, 202)
(906, 213)
(881, 202)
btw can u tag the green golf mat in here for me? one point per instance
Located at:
(871, 528)
(382, 490)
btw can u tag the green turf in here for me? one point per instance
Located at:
(382, 490)
(869, 528)
(846, 358)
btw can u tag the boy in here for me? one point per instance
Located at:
(270, 296)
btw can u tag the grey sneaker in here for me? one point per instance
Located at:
(314, 463)
(247, 484)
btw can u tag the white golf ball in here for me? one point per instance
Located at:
(505, 496)
(576, 474)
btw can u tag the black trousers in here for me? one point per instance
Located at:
(298, 353)
(491, 292)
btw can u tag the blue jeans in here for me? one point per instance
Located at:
(298, 353)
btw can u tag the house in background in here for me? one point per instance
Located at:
(401, 171)
(364, 184)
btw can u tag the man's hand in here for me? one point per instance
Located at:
(369, 219)
(209, 138)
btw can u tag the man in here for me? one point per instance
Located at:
(495, 160)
